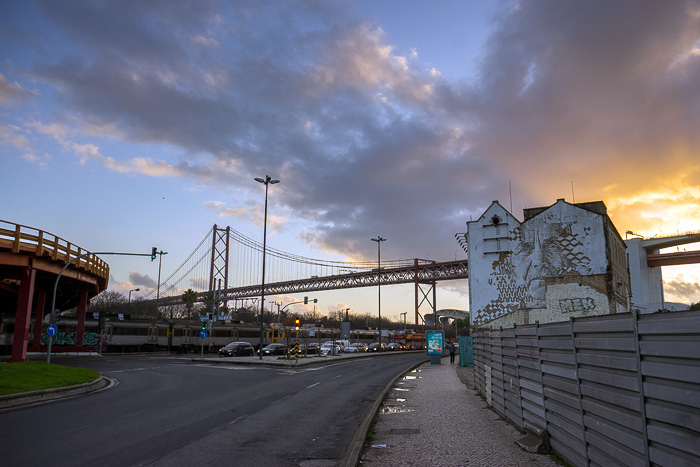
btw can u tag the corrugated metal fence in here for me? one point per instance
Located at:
(619, 389)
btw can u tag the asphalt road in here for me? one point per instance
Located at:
(167, 411)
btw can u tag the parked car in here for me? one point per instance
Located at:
(313, 349)
(376, 347)
(361, 346)
(331, 349)
(236, 349)
(393, 346)
(275, 349)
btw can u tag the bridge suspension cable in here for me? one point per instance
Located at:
(244, 265)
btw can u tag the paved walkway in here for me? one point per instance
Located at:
(431, 418)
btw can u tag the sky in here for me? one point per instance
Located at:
(131, 124)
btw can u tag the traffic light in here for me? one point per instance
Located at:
(204, 325)
(306, 300)
(296, 324)
(154, 252)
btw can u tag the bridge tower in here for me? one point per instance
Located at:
(219, 257)
(431, 290)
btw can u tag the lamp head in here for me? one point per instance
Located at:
(266, 180)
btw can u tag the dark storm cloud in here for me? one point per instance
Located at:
(145, 281)
(688, 291)
(614, 84)
(368, 142)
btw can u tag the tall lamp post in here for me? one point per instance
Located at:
(379, 241)
(132, 290)
(267, 181)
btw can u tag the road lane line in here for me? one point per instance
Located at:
(315, 384)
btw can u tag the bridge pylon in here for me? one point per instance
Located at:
(431, 290)
(219, 256)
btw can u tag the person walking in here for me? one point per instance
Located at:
(453, 349)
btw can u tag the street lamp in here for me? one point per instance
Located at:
(132, 290)
(379, 241)
(267, 181)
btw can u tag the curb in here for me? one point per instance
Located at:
(22, 399)
(352, 456)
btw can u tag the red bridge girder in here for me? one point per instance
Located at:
(419, 273)
(675, 258)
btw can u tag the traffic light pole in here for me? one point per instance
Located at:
(155, 252)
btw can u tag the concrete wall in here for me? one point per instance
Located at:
(646, 282)
(512, 265)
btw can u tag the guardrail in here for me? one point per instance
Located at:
(22, 239)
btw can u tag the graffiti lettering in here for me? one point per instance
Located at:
(68, 338)
(570, 305)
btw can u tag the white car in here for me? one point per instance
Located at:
(327, 349)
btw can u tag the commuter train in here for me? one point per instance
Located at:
(125, 336)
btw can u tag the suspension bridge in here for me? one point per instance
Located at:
(230, 263)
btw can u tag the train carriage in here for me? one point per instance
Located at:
(125, 336)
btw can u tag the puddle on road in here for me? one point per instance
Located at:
(394, 409)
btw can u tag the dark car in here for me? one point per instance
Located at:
(275, 349)
(394, 346)
(376, 347)
(236, 349)
(313, 349)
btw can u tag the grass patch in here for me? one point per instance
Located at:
(34, 375)
(369, 436)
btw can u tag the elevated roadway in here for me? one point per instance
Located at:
(30, 261)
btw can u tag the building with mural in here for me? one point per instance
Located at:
(561, 261)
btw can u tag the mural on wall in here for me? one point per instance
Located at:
(560, 240)
(546, 250)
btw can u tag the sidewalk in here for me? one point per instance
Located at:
(433, 417)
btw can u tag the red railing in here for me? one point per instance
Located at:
(21, 239)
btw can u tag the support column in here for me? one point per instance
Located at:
(23, 315)
(415, 286)
(40, 307)
(82, 308)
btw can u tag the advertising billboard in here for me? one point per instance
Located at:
(436, 341)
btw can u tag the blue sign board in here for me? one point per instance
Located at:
(203, 334)
(436, 341)
(52, 330)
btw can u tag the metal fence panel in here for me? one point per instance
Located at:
(669, 346)
(620, 389)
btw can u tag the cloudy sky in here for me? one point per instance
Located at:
(130, 124)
